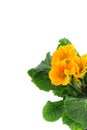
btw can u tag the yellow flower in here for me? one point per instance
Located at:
(66, 63)
(66, 53)
(60, 74)
(81, 67)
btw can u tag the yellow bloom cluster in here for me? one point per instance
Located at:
(66, 63)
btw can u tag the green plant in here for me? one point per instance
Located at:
(65, 74)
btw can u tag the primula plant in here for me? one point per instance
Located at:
(65, 74)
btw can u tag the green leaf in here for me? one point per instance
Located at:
(71, 123)
(52, 111)
(64, 91)
(76, 109)
(77, 83)
(45, 64)
(63, 41)
(40, 75)
(85, 78)
(48, 59)
(30, 72)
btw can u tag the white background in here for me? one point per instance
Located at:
(28, 30)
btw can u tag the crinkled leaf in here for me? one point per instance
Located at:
(76, 109)
(47, 60)
(64, 91)
(30, 72)
(52, 111)
(40, 75)
(63, 41)
(45, 64)
(71, 123)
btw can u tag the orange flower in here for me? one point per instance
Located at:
(66, 53)
(61, 74)
(66, 63)
(81, 67)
